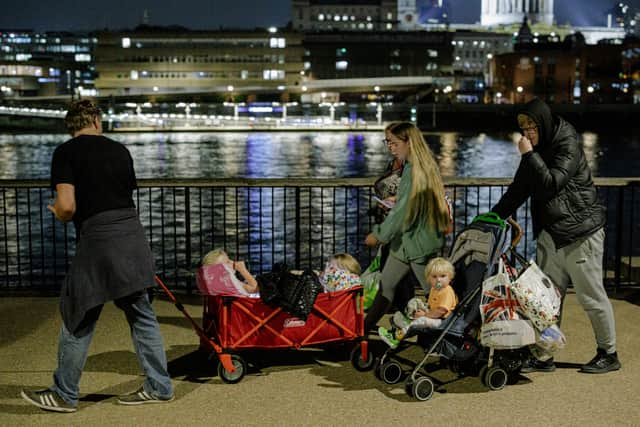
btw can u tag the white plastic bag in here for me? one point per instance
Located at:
(502, 325)
(548, 342)
(538, 296)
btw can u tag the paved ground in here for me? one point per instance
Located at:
(307, 387)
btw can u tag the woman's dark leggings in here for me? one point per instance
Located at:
(393, 274)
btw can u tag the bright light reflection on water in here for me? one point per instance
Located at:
(305, 154)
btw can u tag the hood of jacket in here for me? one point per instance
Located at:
(541, 114)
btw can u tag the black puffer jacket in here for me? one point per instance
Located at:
(564, 201)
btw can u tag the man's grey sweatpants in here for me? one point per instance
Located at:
(580, 264)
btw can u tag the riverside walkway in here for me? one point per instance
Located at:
(307, 387)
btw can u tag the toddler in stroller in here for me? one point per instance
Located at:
(442, 300)
(475, 252)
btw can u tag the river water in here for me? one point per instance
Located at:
(259, 227)
(306, 154)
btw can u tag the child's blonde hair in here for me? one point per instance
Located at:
(440, 265)
(215, 256)
(347, 262)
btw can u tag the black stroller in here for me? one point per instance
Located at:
(456, 339)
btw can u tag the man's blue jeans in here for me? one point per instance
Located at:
(147, 342)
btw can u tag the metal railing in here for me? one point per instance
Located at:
(263, 221)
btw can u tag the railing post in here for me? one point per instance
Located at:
(297, 236)
(187, 235)
(619, 236)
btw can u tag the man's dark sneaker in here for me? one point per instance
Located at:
(534, 365)
(47, 400)
(141, 397)
(602, 363)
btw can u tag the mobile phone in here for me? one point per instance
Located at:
(386, 203)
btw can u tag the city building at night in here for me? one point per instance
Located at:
(46, 63)
(507, 12)
(172, 60)
(350, 15)
(570, 71)
(391, 61)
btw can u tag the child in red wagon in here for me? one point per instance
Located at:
(442, 300)
(341, 272)
(218, 257)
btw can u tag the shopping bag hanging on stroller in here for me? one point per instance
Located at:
(539, 298)
(502, 325)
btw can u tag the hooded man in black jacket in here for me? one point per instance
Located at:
(568, 222)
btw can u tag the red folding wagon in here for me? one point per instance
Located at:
(243, 323)
(232, 324)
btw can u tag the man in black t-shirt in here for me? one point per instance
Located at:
(94, 179)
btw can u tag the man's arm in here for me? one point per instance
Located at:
(65, 204)
(517, 193)
(552, 178)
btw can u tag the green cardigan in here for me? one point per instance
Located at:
(415, 243)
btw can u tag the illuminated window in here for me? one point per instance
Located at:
(83, 57)
(341, 65)
(432, 53)
(276, 42)
(126, 42)
(133, 75)
(321, 17)
(273, 74)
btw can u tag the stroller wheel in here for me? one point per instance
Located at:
(423, 388)
(408, 386)
(240, 367)
(495, 378)
(391, 372)
(357, 361)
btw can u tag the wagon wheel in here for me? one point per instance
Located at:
(357, 361)
(240, 367)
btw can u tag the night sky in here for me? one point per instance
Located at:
(77, 15)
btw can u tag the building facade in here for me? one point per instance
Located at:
(567, 72)
(165, 60)
(350, 15)
(507, 12)
(46, 64)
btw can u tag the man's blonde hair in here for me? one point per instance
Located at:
(215, 256)
(347, 262)
(440, 266)
(81, 114)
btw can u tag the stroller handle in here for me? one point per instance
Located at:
(517, 235)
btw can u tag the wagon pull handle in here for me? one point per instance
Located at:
(225, 358)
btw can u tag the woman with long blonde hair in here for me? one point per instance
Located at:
(415, 226)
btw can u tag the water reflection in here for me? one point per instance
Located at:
(305, 154)
(262, 225)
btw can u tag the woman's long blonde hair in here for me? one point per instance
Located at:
(426, 201)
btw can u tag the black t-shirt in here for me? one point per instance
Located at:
(100, 169)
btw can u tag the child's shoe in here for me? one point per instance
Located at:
(388, 337)
(400, 320)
